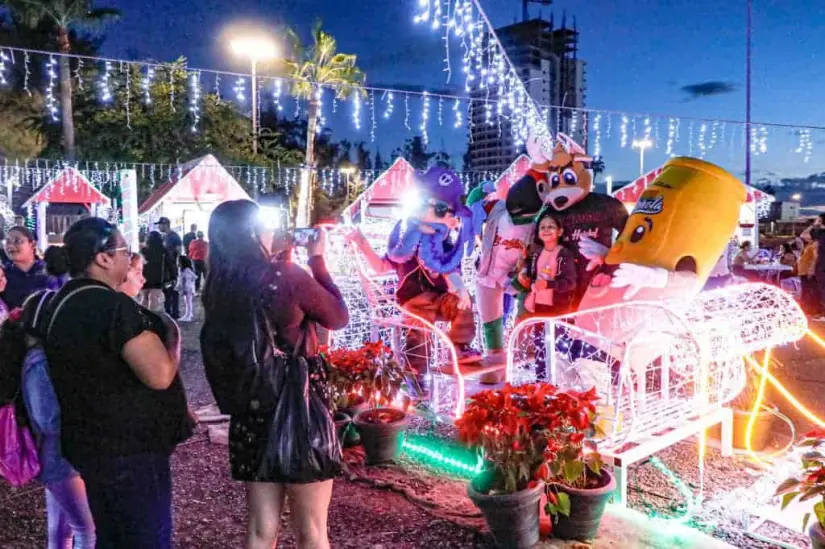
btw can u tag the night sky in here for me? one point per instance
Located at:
(642, 55)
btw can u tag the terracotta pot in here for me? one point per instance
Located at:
(761, 429)
(817, 534)
(382, 440)
(586, 509)
(513, 519)
(343, 424)
(352, 438)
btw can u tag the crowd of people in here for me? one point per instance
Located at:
(89, 358)
(90, 353)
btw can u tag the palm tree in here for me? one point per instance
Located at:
(64, 14)
(310, 69)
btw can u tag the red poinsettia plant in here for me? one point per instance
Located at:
(533, 433)
(369, 373)
(811, 483)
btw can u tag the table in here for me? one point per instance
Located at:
(771, 270)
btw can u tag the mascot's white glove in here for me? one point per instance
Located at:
(592, 251)
(635, 277)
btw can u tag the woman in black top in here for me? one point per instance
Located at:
(243, 276)
(123, 408)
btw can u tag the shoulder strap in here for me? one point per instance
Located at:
(65, 299)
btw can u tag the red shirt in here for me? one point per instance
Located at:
(198, 250)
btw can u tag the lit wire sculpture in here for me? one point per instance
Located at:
(656, 365)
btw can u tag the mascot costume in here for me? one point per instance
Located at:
(678, 229)
(426, 250)
(559, 179)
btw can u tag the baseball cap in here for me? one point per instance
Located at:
(443, 184)
(163, 221)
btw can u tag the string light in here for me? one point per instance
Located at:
(804, 144)
(648, 128)
(690, 138)
(425, 118)
(319, 98)
(172, 89)
(195, 99)
(240, 90)
(51, 102)
(4, 58)
(713, 137)
(440, 111)
(424, 14)
(389, 100)
(356, 110)
(217, 89)
(105, 91)
(407, 111)
(78, 74)
(128, 104)
(26, 73)
(146, 84)
(436, 15)
(459, 119)
(609, 124)
(701, 141)
(671, 136)
(623, 129)
(597, 130)
(373, 122)
(277, 90)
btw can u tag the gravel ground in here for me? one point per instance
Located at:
(393, 509)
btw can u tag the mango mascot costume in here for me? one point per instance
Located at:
(678, 229)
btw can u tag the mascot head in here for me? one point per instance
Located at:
(567, 181)
(441, 192)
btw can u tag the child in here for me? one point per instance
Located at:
(23, 365)
(547, 281)
(186, 286)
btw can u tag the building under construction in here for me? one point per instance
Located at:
(546, 59)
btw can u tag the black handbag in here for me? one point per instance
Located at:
(302, 445)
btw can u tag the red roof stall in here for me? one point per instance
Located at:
(756, 201)
(69, 186)
(384, 195)
(191, 194)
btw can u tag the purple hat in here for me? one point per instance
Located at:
(443, 184)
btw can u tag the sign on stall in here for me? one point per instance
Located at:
(129, 195)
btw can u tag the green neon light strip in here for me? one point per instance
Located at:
(683, 489)
(441, 455)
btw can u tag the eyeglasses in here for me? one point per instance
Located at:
(17, 241)
(441, 209)
(127, 249)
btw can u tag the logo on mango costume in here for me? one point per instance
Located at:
(649, 206)
(509, 243)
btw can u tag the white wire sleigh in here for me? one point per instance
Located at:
(656, 365)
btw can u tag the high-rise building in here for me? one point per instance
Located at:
(547, 63)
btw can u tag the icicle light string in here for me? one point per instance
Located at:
(382, 90)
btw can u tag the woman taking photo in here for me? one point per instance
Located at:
(244, 280)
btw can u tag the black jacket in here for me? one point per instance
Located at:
(159, 270)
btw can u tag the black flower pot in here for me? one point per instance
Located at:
(382, 433)
(513, 519)
(586, 509)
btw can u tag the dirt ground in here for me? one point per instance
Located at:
(411, 510)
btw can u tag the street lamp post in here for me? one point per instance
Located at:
(256, 49)
(642, 145)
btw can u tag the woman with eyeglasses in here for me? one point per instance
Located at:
(25, 272)
(245, 278)
(114, 367)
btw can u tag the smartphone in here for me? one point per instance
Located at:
(302, 237)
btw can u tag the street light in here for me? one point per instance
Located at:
(642, 144)
(256, 49)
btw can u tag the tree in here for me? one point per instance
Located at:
(309, 68)
(21, 125)
(65, 15)
(416, 153)
(379, 164)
